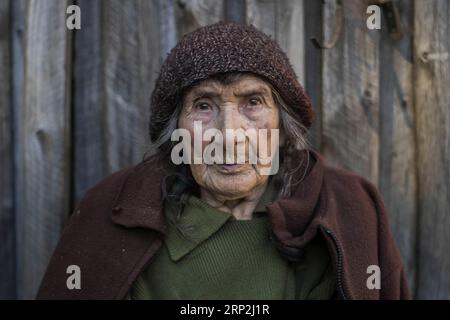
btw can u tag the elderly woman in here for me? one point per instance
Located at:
(226, 229)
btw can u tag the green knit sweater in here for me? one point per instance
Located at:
(209, 254)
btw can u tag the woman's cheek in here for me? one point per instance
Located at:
(204, 126)
(264, 119)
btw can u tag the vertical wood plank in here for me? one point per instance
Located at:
(118, 52)
(193, 14)
(262, 14)
(131, 55)
(290, 31)
(17, 90)
(397, 173)
(168, 27)
(43, 187)
(7, 230)
(350, 110)
(284, 21)
(89, 157)
(313, 68)
(432, 96)
(234, 10)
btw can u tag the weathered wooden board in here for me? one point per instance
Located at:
(313, 68)
(90, 143)
(234, 10)
(284, 21)
(17, 89)
(7, 229)
(43, 187)
(118, 52)
(432, 96)
(192, 14)
(131, 60)
(350, 102)
(167, 27)
(397, 172)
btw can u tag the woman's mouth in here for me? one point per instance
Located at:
(229, 168)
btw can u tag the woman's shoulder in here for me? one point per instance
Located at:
(344, 181)
(106, 188)
(135, 175)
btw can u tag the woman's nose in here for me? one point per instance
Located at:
(231, 126)
(230, 118)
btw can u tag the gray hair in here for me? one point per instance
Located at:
(295, 134)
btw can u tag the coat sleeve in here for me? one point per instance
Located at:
(86, 240)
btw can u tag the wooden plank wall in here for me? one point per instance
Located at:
(116, 63)
(44, 159)
(74, 108)
(283, 20)
(367, 112)
(7, 238)
(350, 77)
(397, 167)
(17, 25)
(432, 96)
(384, 114)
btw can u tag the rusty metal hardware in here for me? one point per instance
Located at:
(337, 31)
(391, 12)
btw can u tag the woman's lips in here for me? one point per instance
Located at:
(229, 168)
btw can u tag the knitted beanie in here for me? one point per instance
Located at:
(219, 48)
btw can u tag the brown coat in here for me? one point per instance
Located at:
(119, 225)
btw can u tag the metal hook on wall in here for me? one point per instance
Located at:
(390, 9)
(337, 32)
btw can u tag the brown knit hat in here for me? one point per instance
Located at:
(225, 47)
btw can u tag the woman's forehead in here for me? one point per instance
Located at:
(242, 85)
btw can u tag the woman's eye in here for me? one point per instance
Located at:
(254, 102)
(203, 106)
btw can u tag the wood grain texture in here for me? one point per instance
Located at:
(7, 229)
(313, 68)
(89, 138)
(397, 172)
(168, 33)
(350, 109)
(284, 21)
(432, 96)
(43, 188)
(234, 10)
(131, 57)
(17, 89)
(193, 14)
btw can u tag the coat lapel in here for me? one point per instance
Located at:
(139, 203)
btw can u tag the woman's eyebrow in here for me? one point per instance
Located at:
(198, 93)
(246, 92)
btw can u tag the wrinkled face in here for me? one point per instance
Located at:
(246, 103)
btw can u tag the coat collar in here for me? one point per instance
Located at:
(139, 203)
(200, 221)
(295, 220)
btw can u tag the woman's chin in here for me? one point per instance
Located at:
(233, 187)
(230, 183)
